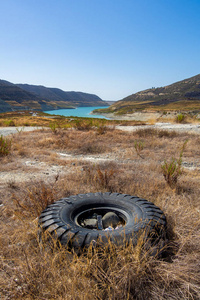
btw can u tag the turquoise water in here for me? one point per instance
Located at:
(77, 112)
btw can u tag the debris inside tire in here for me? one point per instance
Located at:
(102, 221)
(78, 220)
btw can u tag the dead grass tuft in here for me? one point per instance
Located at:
(33, 201)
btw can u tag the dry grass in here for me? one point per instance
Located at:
(54, 122)
(31, 271)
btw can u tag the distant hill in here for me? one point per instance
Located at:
(182, 95)
(12, 97)
(72, 98)
(32, 97)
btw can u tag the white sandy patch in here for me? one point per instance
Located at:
(12, 130)
(193, 128)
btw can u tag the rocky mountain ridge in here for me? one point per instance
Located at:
(32, 97)
(184, 94)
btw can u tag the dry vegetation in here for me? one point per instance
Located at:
(63, 162)
(26, 118)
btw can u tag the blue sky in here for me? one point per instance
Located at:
(112, 48)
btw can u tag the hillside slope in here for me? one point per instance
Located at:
(32, 97)
(184, 94)
(13, 98)
(57, 95)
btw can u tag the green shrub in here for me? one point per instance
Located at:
(172, 169)
(9, 123)
(53, 127)
(5, 146)
(180, 118)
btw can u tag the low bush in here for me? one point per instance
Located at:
(100, 178)
(101, 129)
(5, 146)
(168, 133)
(147, 132)
(9, 123)
(53, 127)
(83, 124)
(172, 169)
(151, 132)
(180, 118)
(90, 148)
(34, 200)
(139, 146)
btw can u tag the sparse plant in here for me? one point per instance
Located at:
(146, 132)
(139, 146)
(173, 169)
(180, 118)
(5, 146)
(167, 133)
(53, 127)
(9, 123)
(12, 184)
(19, 130)
(100, 179)
(101, 129)
(90, 148)
(35, 200)
(83, 124)
(103, 179)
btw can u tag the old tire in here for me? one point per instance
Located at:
(62, 219)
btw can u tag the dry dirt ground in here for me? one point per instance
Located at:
(44, 166)
(32, 168)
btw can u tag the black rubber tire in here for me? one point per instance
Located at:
(142, 216)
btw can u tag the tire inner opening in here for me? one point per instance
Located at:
(101, 218)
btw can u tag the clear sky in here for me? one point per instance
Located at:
(112, 48)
